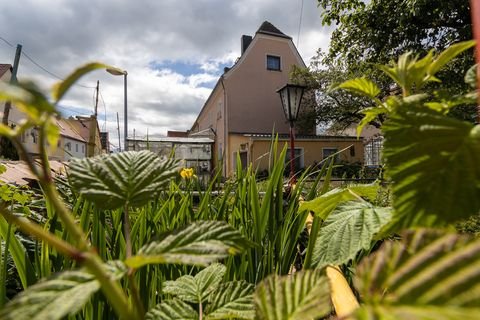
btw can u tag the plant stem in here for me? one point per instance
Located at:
(47, 176)
(24, 155)
(139, 308)
(110, 287)
(137, 302)
(72, 228)
(35, 230)
(126, 230)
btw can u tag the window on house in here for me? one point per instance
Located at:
(327, 152)
(76, 147)
(68, 146)
(273, 63)
(299, 159)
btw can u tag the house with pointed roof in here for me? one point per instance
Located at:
(79, 136)
(244, 109)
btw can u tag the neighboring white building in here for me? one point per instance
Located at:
(74, 132)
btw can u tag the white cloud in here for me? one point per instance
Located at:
(61, 35)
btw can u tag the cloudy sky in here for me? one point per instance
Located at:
(173, 51)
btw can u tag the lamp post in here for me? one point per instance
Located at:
(119, 72)
(291, 96)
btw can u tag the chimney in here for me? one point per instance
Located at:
(245, 42)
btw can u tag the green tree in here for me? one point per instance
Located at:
(374, 32)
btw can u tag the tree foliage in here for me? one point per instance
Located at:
(369, 33)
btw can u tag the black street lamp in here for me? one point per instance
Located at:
(291, 96)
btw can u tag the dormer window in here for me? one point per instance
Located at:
(273, 63)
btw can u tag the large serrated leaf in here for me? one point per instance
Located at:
(201, 243)
(172, 310)
(323, 205)
(61, 295)
(196, 289)
(428, 275)
(433, 161)
(304, 295)
(111, 181)
(349, 229)
(231, 300)
(362, 86)
(55, 298)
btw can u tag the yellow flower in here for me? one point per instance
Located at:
(186, 173)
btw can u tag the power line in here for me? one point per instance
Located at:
(104, 127)
(42, 67)
(300, 24)
(51, 73)
(11, 45)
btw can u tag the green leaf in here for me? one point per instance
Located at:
(62, 87)
(410, 72)
(471, 76)
(433, 161)
(323, 205)
(29, 99)
(303, 295)
(231, 300)
(361, 86)
(370, 115)
(62, 295)
(196, 289)
(201, 243)
(349, 229)
(14, 93)
(172, 310)
(448, 55)
(428, 275)
(111, 181)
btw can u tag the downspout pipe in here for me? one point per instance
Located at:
(225, 151)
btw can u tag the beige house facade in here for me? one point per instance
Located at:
(244, 107)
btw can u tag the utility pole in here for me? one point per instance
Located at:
(93, 127)
(96, 98)
(118, 130)
(8, 104)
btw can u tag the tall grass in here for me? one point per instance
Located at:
(269, 218)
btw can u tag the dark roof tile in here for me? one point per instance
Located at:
(270, 29)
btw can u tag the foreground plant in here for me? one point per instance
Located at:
(126, 181)
(417, 273)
